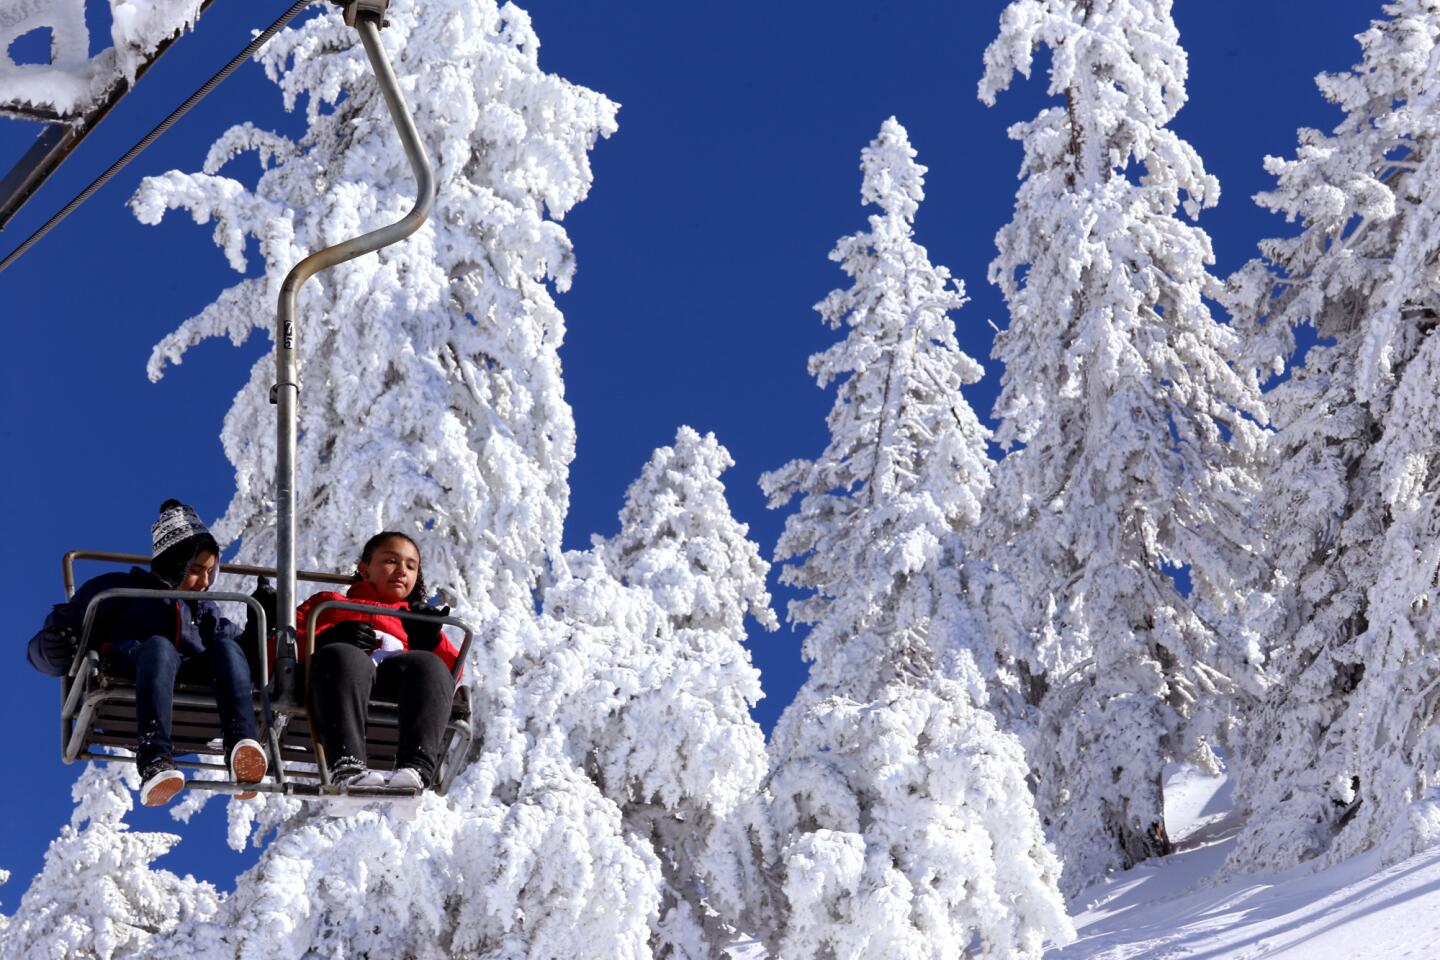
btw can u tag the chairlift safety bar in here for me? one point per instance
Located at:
(125, 593)
(141, 560)
(370, 608)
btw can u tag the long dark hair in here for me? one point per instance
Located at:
(418, 595)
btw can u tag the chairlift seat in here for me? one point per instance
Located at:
(107, 720)
(382, 734)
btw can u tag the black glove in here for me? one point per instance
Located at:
(265, 594)
(207, 618)
(250, 640)
(357, 633)
(57, 645)
(425, 634)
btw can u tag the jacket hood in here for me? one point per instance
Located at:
(158, 582)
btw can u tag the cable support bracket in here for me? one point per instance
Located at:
(368, 9)
(275, 391)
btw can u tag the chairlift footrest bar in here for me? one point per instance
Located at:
(307, 790)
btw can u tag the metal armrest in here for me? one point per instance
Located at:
(120, 593)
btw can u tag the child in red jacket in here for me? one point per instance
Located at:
(358, 655)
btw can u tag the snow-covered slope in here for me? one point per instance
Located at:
(1168, 910)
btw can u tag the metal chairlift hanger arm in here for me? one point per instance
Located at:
(367, 17)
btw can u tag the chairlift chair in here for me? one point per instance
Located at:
(98, 711)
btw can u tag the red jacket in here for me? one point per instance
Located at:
(362, 592)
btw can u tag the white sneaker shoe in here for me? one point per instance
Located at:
(349, 772)
(407, 778)
(162, 784)
(370, 778)
(248, 764)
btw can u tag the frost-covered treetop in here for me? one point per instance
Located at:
(893, 181)
(1346, 188)
(679, 541)
(1120, 65)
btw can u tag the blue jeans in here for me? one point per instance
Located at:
(155, 665)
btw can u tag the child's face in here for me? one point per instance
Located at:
(201, 572)
(392, 568)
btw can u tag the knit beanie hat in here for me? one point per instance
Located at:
(177, 538)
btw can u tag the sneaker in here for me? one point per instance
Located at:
(408, 778)
(160, 782)
(247, 765)
(349, 772)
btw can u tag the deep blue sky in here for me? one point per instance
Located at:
(701, 251)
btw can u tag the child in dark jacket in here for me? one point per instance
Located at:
(158, 642)
(360, 654)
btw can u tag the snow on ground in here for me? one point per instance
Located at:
(1169, 910)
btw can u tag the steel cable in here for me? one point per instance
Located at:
(139, 148)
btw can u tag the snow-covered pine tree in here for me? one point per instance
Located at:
(660, 719)
(684, 759)
(431, 402)
(1129, 449)
(97, 896)
(905, 825)
(1343, 754)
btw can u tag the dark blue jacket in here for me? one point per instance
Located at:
(191, 624)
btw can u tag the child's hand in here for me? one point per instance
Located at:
(59, 646)
(425, 634)
(357, 633)
(264, 593)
